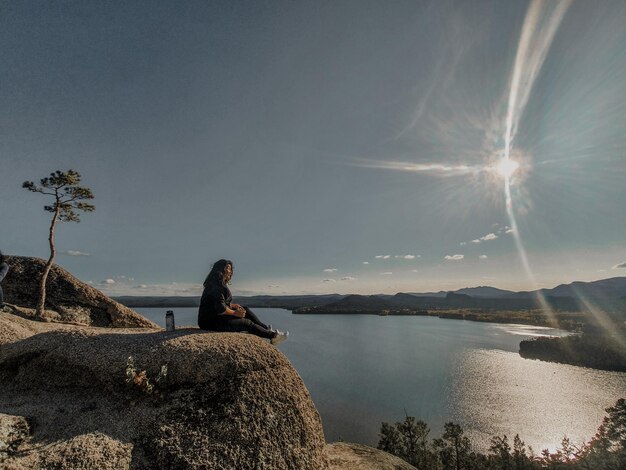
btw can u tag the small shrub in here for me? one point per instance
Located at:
(139, 380)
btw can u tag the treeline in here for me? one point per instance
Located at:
(605, 351)
(158, 302)
(454, 451)
(565, 320)
(355, 303)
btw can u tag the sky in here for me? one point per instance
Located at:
(324, 147)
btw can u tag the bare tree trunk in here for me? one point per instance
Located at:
(47, 267)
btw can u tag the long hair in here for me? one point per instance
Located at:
(2, 258)
(217, 272)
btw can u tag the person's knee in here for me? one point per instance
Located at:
(249, 323)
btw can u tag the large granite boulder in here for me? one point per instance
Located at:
(14, 327)
(67, 298)
(222, 401)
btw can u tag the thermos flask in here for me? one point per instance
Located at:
(169, 321)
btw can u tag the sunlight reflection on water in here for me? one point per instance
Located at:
(497, 391)
(530, 330)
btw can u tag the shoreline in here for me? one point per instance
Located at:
(569, 321)
(593, 356)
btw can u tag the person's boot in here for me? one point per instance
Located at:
(279, 337)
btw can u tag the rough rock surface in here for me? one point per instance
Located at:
(67, 298)
(14, 325)
(13, 431)
(228, 401)
(347, 456)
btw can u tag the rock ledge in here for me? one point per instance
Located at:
(228, 401)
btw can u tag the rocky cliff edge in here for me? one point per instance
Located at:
(72, 398)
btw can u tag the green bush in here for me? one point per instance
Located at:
(453, 450)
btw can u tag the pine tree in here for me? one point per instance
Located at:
(68, 197)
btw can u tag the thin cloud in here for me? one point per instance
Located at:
(273, 286)
(456, 257)
(509, 230)
(330, 270)
(329, 280)
(436, 169)
(620, 265)
(74, 253)
(386, 256)
(348, 278)
(406, 256)
(386, 273)
(366, 262)
(113, 287)
(485, 238)
(378, 256)
(482, 257)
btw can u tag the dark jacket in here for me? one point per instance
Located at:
(215, 298)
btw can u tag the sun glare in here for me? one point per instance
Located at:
(507, 167)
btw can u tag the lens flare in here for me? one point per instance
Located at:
(483, 148)
(507, 167)
(540, 25)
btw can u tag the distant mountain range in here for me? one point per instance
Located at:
(607, 294)
(480, 291)
(612, 288)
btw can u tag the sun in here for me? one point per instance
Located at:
(507, 167)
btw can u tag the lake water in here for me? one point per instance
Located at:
(362, 370)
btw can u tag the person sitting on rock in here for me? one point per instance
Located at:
(218, 313)
(4, 269)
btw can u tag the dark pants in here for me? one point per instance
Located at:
(249, 323)
(1, 298)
